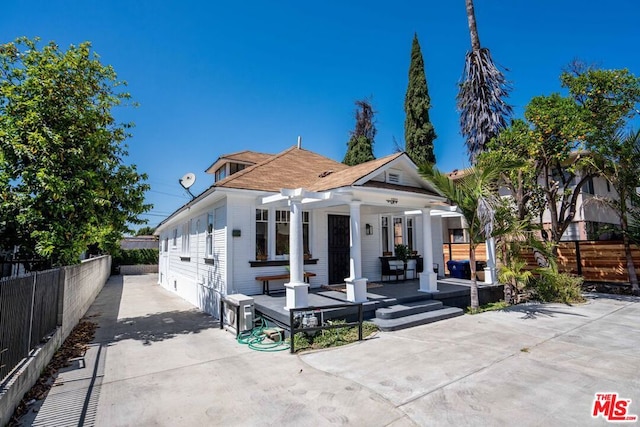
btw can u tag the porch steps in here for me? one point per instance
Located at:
(407, 309)
(409, 315)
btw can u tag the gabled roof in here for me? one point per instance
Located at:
(293, 168)
(244, 157)
(351, 174)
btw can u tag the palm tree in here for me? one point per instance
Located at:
(483, 111)
(621, 167)
(476, 196)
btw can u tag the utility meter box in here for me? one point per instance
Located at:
(244, 307)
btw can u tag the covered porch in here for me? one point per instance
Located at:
(402, 297)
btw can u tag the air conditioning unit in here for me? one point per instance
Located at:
(245, 309)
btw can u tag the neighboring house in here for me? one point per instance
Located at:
(139, 242)
(592, 221)
(301, 211)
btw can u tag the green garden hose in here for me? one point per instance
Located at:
(254, 338)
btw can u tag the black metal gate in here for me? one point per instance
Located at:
(338, 242)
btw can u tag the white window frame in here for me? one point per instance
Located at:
(209, 241)
(391, 235)
(280, 216)
(186, 239)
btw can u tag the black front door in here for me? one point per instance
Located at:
(338, 242)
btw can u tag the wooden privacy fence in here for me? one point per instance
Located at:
(595, 261)
(460, 251)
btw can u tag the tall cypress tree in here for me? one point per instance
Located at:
(360, 145)
(418, 130)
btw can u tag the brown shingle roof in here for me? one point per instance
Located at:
(293, 168)
(351, 174)
(247, 156)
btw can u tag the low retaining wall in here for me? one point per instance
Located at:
(463, 299)
(82, 283)
(138, 269)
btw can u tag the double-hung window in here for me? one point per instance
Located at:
(186, 238)
(209, 236)
(272, 233)
(262, 234)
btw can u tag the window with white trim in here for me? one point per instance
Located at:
(410, 235)
(262, 234)
(282, 232)
(209, 236)
(280, 222)
(397, 230)
(186, 239)
(175, 238)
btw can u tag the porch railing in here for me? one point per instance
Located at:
(293, 330)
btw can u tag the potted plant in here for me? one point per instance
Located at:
(402, 253)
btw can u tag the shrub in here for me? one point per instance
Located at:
(136, 256)
(551, 286)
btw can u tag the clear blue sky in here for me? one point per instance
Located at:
(215, 77)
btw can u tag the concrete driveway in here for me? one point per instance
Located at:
(158, 361)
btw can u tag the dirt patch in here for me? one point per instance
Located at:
(74, 346)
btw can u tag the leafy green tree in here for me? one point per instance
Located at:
(360, 145)
(64, 181)
(418, 129)
(610, 98)
(621, 167)
(476, 196)
(145, 231)
(481, 99)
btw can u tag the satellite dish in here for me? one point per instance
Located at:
(187, 181)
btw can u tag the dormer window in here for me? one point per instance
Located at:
(393, 177)
(221, 173)
(228, 169)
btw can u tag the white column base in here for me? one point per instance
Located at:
(490, 276)
(297, 295)
(428, 282)
(356, 289)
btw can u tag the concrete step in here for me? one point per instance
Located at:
(402, 310)
(388, 325)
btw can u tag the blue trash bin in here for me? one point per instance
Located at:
(459, 269)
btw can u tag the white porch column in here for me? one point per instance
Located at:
(428, 279)
(297, 290)
(356, 284)
(490, 270)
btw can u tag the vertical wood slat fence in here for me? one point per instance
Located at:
(595, 261)
(29, 312)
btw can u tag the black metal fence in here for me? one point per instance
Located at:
(29, 309)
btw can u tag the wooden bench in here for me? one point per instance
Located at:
(284, 276)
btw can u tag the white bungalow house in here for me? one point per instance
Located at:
(300, 212)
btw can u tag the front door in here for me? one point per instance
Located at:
(339, 252)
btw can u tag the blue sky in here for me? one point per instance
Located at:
(218, 77)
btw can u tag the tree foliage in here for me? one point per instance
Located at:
(360, 145)
(145, 231)
(418, 129)
(63, 181)
(476, 196)
(481, 99)
(566, 141)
